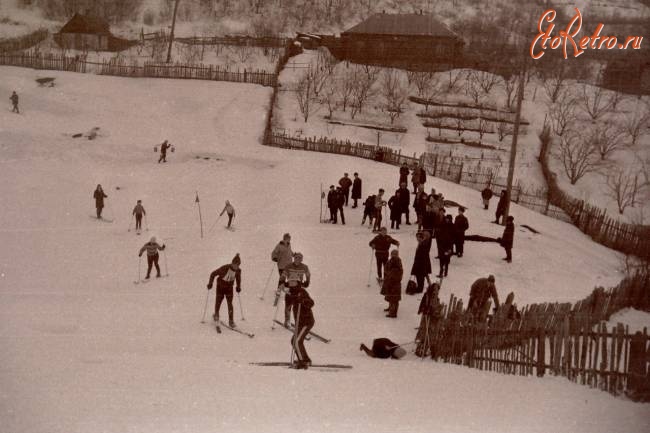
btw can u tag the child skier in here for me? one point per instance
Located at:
(138, 211)
(227, 276)
(230, 211)
(294, 275)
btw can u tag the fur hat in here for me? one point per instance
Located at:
(491, 278)
(297, 256)
(236, 260)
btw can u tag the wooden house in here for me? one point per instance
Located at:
(86, 32)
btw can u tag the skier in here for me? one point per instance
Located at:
(381, 244)
(460, 227)
(501, 206)
(392, 285)
(345, 183)
(14, 102)
(152, 248)
(99, 197)
(368, 210)
(282, 255)
(230, 211)
(403, 173)
(294, 275)
(227, 276)
(356, 189)
(163, 151)
(304, 317)
(404, 201)
(395, 211)
(332, 203)
(480, 292)
(486, 195)
(379, 207)
(138, 211)
(383, 348)
(507, 238)
(421, 262)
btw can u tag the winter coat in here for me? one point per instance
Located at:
(164, 146)
(302, 307)
(383, 348)
(345, 183)
(460, 226)
(503, 202)
(392, 286)
(423, 175)
(229, 209)
(99, 197)
(486, 194)
(508, 235)
(340, 198)
(479, 294)
(369, 205)
(226, 277)
(420, 202)
(403, 174)
(332, 199)
(356, 188)
(444, 238)
(381, 244)
(296, 274)
(151, 248)
(282, 254)
(404, 198)
(422, 261)
(430, 304)
(14, 98)
(395, 208)
(138, 210)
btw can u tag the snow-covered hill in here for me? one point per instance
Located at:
(85, 349)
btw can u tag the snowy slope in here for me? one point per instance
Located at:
(84, 349)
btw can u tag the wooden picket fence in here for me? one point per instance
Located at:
(250, 41)
(559, 339)
(135, 70)
(23, 42)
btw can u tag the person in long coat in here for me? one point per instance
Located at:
(392, 287)
(403, 173)
(99, 197)
(444, 242)
(501, 206)
(356, 189)
(507, 238)
(460, 227)
(422, 262)
(404, 200)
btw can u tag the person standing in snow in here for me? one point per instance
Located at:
(304, 318)
(230, 211)
(152, 248)
(293, 276)
(356, 189)
(486, 195)
(431, 311)
(138, 211)
(403, 173)
(404, 201)
(383, 348)
(368, 210)
(507, 238)
(282, 255)
(479, 294)
(445, 244)
(501, 206)
(392, 285)
(339, 202)
(332, 203)
(227, 276)
(163, 151)
(345, 182)
(422, 262)
(381, 244)
(379, 207)
(460, 227)
(395, 211)
(14, 102)
(99, 197)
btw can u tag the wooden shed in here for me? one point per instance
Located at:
(87, 32)
(412, 41)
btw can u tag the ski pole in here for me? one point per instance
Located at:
(241, 310)
(267, 283)
(294, 340)
(139, 261)
(165, 256)
(205, 308)
(146, 223)
(275, 315)
(215, 223)
(370, 267)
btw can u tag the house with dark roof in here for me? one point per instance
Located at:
(87, 32)
(411, 41)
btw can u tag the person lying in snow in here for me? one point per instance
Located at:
(384, 348)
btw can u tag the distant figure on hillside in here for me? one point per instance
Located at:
(486, 195)
(14, 102)
(501, 206)
(345, 182)
(507, 238)
(230, 211)
(383, 348)
(138, 211)
(356, 189)
(480, 292)
(163, 151)
(99, 197)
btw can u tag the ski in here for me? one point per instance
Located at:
(288, 364)
(290, 328)
(236, 329)
(312, 333)
(146, 280)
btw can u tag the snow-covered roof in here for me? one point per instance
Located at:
(86, 24)
(403, 24)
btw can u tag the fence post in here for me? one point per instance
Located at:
(541, 355)
(460, 173)
(638, 384)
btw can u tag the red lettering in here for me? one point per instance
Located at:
(549, 16)
(568, 35)
(611, 43)
(584, 42)
(595, 36)
(637, 42)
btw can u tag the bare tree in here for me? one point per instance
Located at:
(562, 113)
(504, 130)
(473, 88)
(346, 80)
(593, 101)
(606, 138)
(636, 124)
(623, 186)
(577, 155)
(304, 94)
(362, 89)
(394, 92)
(329, 94)
(483, 127)
(509, 86)
(486, 80)
(553, 76)
(453, 80)
(460, 125)
(325, 60)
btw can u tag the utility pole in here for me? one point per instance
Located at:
(171, 35)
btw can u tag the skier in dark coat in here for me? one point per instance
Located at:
(404, 200)
(163, 151)
(431, 310)
(445, 244)
(152, 248)
(356, 189)
(460, 227)
(392, 285)
(501, 206)
(507, 238)
(403, 173)
(332, 203)
(340, 200)
(99, 197)
(421, 262)
(345, 182)
(395, 211)
(138, 211)
(486, 195)
(227, 276)
(14, 102)
(381, 244)
(369, 210)
(304, 317)
(480, 292)
(383, 348)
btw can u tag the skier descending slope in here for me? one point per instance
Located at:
(294, 275)
(152, 248)
(227, 276)
(138, 211)
(304, 317)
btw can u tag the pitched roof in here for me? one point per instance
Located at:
(86, 24)
(403, 24)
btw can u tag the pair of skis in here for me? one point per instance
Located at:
(219, 324)
(325, 367)
(291, 328)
